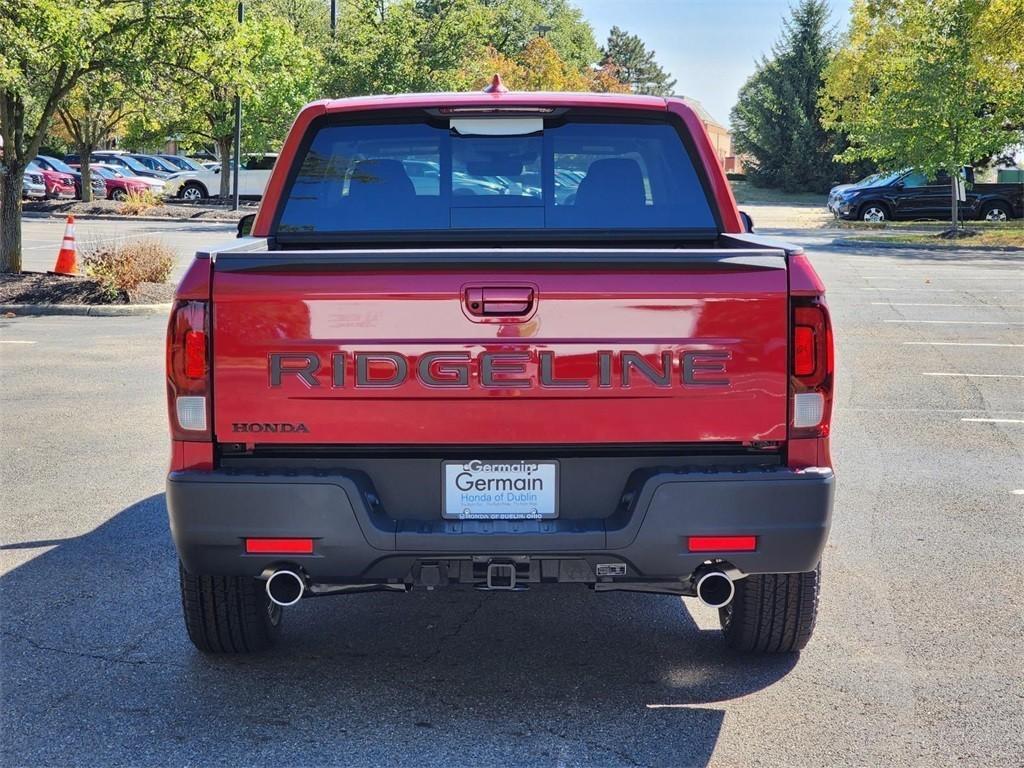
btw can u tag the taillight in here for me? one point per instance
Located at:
(188, 371)
(812, 368)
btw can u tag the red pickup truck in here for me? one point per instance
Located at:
(499, 341)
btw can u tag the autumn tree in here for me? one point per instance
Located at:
(930, 84)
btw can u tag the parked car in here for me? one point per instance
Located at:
(911, 194)
(55, 164)
(154, 163)
(182, 163)
(835, 194)
(210, 165)
(252, 179)
(120, 181)
(121, 160)
(33, 185)
(58, 178)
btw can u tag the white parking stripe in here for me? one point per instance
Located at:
(976, 375)
(954, 322)
(959, 344)
(995, 421)
(918, 304)
(14, 341)
(1000, 276)
(945, 290)
(88, 240)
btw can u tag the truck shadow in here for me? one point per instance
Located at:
(97, 670)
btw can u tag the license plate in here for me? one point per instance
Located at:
(500, 490)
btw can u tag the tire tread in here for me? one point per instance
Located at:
(226, 614)
(772, 612)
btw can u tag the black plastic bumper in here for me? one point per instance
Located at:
(355, 541)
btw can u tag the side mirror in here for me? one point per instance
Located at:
(245, 224)
(748, 223)
(898, 185)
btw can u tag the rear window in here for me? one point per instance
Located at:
(420, 177)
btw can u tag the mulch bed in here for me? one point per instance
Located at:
(44, 288)
(178, 210)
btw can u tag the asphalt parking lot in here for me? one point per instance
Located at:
(916, 660)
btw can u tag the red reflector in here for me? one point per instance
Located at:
(279, 546)
(195, 354)
(803, 350)
(722, 543)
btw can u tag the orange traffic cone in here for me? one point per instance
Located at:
(67, 259)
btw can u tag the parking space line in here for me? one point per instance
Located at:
(942, 290)
(877, 409)
(15, 341)
(954, 322)
(925, 304)
(974, 375)
(85, 239)
(958, 344)
(995, 421)
(1001, 276)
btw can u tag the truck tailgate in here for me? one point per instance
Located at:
(509, 347)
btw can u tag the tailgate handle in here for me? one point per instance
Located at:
(499, 301)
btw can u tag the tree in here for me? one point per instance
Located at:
(930, 84)
(90, 113)
(261, 60)
(48, 47)
(777, 120)
(635, 65)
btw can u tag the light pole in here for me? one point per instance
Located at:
(238, 127)
(334, 18)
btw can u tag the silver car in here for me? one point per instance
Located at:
(33, 186)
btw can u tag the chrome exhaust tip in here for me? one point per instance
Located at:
(715, 589)
(285, 587)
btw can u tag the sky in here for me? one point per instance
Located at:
(709, 46)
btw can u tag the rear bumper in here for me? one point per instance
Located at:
(355, 541)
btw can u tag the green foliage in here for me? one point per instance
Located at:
(777, 121)
(933, 84)
(48, 47)
(634, 65)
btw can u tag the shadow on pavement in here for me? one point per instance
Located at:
(97, 671)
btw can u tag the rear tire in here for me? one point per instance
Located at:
(772, 612)
(119, 195)
(228, 614)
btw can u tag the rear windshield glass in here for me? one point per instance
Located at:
(425, 177)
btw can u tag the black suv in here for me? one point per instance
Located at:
(913, 195)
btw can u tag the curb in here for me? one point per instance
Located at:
(92, 310)
(95, 216)
(844, 242)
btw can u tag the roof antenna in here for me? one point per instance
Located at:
(496, 85)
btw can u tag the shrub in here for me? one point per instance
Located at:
(137, 203)
(736, 176)
(121, 267)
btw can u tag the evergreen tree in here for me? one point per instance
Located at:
(777, 121)
(635, 65)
